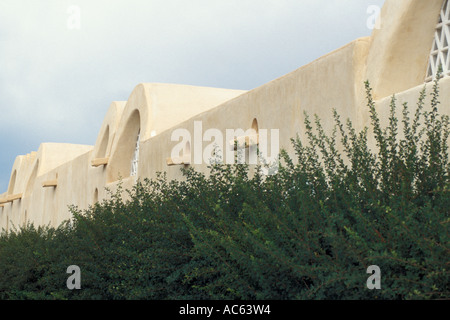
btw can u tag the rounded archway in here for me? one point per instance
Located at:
(126, 153)
(255, 130)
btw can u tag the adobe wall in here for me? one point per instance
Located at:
(394, 59)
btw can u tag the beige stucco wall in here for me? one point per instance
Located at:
(399, 51)
(316, 88)
(393, 59)
(78, 182)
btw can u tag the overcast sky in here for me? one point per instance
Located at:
(57, 80)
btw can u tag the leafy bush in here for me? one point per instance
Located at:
(308, 232)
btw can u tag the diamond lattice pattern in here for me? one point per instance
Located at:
(440, 51)
(135, 161)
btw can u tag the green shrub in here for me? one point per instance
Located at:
(307, 232)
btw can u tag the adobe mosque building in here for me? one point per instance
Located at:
(136, 137)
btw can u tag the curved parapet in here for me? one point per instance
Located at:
(52, 155)
(107, 133)
(153, 108)
(400, 49)
(172, 103)
(44, 183)
(49, 156)
(29, 176)
(135, 121)
(19, 176)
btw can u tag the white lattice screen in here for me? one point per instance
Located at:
(135, 161)
(440, 51)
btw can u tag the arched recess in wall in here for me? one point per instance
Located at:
(101, 152)
(122, 159)
(32, 179)
(255, 129)
(12, 182)
(249, 140)
(251, 143)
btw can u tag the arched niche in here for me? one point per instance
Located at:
(255, 130)
(125, 150)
